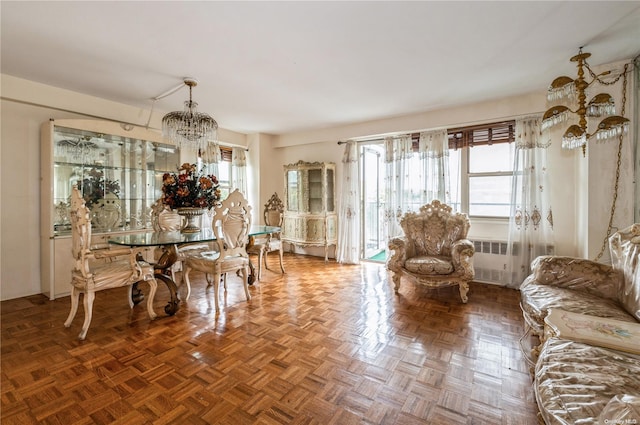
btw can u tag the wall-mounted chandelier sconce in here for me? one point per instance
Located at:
(575, 91)
(189, 127)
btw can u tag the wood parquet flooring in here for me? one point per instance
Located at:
(323, 344)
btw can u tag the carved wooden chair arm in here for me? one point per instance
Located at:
(110, 253)
(399, 247)
(462, 250)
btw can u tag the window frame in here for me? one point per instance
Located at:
(225, 161)
(465, 138)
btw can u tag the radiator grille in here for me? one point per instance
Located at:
(490, 261)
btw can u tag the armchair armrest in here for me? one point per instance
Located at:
(109, 253)
(578, 274)
(399, 247)
(462, 252)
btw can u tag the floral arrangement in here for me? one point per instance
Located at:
(190, 188)
(95, 187)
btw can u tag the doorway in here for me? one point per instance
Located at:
(373, 246)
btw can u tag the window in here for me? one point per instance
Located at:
(222, 170)
(481, 168)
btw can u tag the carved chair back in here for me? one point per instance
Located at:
(164, 219)
(433, 229)
(80, 233)
(231, 223)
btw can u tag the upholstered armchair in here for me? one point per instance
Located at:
(434, 250)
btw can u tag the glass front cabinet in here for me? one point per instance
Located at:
(118, 169)
(310, 217)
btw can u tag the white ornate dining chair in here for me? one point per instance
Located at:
(164, 219)
(231, 224)
(262, 246)
(99, 269)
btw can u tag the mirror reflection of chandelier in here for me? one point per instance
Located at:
(189, 128)
(82, 148)
(576, 136)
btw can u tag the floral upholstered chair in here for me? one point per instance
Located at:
(434, 250)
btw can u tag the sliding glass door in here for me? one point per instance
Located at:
(372, 202)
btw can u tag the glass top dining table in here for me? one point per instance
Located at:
(153, 238)
(169, 241)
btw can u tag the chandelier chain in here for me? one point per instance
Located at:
(618, 165)
(601, 81)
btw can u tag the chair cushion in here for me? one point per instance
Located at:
(429, 265)
(111, 274)
(206, 261)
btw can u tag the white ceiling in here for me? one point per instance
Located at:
(279, 67)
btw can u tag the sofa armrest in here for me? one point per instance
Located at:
(578, 274)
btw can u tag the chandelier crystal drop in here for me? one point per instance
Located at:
(575, 91)
(189, 128)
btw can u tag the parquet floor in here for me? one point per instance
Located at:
(323, 344)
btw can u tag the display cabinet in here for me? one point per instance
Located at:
(119, 170)
(310, 217)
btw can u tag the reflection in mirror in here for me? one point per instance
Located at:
(119, 177)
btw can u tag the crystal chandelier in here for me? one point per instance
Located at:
(576, 136)
(189, 128)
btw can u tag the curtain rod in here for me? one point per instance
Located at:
(364, 141)
(453, 127)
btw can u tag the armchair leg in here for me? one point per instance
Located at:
(130, 296)
(185, 278)
(75, 297)
(280, 253)
(216, 289)
(464, 288)
(89, 296)
(245, 282)
(260, 259)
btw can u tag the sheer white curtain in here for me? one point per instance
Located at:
(210, 156)
(414, 177)
(239, 170)
(349, 217)
(433, 150)
(531, 220)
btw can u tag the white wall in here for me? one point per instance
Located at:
(580, 187)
